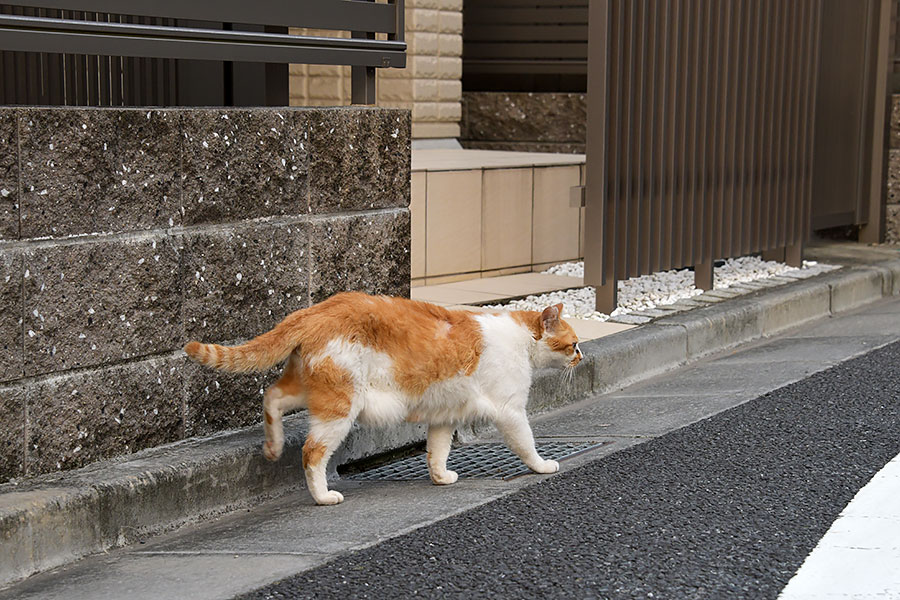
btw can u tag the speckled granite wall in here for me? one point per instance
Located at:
(126, 233)
(892, 213)
(527, 122)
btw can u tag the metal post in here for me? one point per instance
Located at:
(774, 254)
(703, 275)
(362, 79)
(362, 85)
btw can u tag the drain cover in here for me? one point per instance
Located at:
(485, 461)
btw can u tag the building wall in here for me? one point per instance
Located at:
(125, 233)
(430, 85)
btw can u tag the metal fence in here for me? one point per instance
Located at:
(139, 52)
(700, 134)
(528, 45)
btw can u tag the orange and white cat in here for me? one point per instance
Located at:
(383, 360)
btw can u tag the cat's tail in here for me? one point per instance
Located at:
(260, 353)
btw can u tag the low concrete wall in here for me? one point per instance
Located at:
(124, 233)
(527, 122)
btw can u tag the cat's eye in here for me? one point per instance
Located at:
(574, 344)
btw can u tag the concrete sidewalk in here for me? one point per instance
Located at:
(274, 539)
(56, 519)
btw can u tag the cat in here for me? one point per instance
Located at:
(382, 360)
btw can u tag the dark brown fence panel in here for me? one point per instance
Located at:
(700, 134)
(536, 45)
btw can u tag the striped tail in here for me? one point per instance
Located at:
(260, 353)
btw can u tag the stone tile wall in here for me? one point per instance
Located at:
(430, 85)
(527, 122)
(125, 233)
(892, 213)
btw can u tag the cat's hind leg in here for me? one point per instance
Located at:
(513, 425)
(323, 439)
(285, 395)
(438, 447)
(330, 394)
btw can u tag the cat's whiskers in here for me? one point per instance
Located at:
(568, 376)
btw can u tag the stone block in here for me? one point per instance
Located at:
(367, 252)
(98, 170)
(79, 418)
(216, 400)
(359, 159)
(793, 305)
(450, 44)
(893, 179)
(12, 434)
(552, 388)
(11, 357)
(244, 164)
(241, 282)
(851, 289)
(895, 121)
(719, 326)
(634, 355)
(892, 225)
(98, 302)
(451, 22)
(525, 117)
(9, 174)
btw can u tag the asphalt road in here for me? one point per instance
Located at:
(726, 508)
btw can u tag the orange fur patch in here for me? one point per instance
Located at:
(313, 452)
(329, 390)
(427, 343)
(530, 319)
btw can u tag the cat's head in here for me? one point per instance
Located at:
(557, 345)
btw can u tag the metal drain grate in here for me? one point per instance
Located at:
(485, 461)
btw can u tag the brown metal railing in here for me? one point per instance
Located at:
(700, 134)
(163, 52)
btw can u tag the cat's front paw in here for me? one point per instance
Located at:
(548, 466)
(271, 451)
(330, 497)
(445, 478)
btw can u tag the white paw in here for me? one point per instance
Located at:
(330, 497)
(446, 478)
(272, 451)
(548, 466)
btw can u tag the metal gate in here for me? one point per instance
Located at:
(702, 125)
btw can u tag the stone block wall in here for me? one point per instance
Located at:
(125, 233)
(430, 85)
(892, 212)
(524, 121)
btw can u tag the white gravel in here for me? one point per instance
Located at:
(660, 289)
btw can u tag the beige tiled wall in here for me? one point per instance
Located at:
(506, 236)
(417, 210)
(452, 222)
(556, 222)
(430, 85)
(485, 222)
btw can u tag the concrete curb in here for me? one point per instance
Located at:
(56, 519)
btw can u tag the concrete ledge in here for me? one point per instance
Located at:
(636, 354)
(57, 518)
(856, 287)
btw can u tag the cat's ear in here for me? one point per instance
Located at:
(550, 317)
